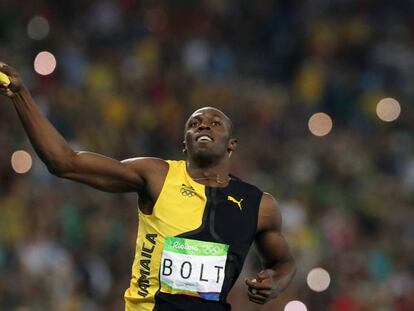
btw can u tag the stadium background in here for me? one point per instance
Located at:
(128, 74)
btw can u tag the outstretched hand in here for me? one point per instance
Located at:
(16, 83)
(261, 289)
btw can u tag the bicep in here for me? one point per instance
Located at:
(107, 174)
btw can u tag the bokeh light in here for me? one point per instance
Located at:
(388, 109)
(318, 279)
(295, 305)
(45, 63)
(21, 161)
(320, 124)
(38, 28)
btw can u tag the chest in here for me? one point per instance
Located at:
(227, 215)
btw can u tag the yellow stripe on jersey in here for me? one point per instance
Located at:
(179, 209)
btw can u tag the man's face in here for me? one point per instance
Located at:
(207, 133)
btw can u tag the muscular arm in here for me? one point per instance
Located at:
(90, 168)
(278, 262)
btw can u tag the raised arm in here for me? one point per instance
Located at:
(279, 266)
(90, 168)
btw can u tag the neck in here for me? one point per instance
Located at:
(214, 175)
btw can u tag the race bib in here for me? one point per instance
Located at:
(194, 268)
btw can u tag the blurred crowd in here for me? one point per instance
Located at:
(129, 73)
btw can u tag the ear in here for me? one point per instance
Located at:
(232, 145)
(184, 147)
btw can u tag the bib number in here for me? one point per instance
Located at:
(194, 268)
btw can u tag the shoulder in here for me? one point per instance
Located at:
(270, 217)
(246, 186)
(147, 166)
(143, 163)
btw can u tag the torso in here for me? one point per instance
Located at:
(186, 209)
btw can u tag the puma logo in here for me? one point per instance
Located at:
(231, 199)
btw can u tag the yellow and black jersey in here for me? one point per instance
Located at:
(191, 249)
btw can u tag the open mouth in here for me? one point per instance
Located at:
(204, 138)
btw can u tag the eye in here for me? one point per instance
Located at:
(193, 123)
(216, 123)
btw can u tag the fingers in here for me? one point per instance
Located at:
(8, 70)
(5, 90)
(260, 289)
(263, 275)
(258, 292)
(4, 84)
(260, 296)
(16, 83)
(254, 284)
(259, 299)
(253, 292)
(262, 281)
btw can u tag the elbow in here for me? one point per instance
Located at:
(57, 170)
(61, 168)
